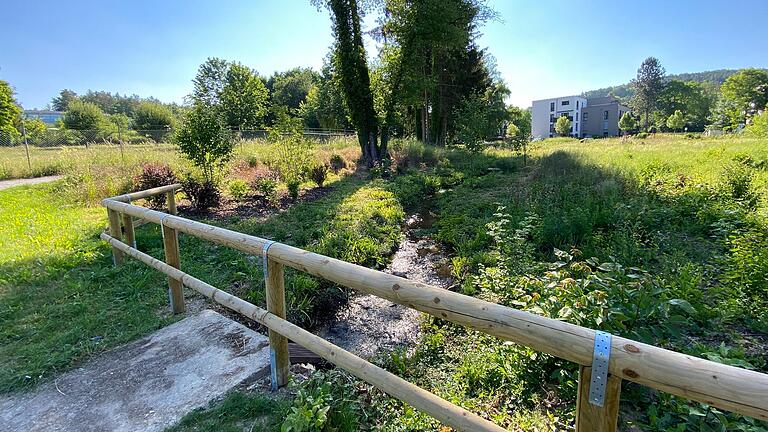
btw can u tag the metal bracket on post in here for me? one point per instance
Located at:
(272, 353)
(600, 361)
(265, 258)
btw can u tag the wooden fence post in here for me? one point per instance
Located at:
(171, 198)
(172, 258)
(130, 234)
(592, 417)
(280, 360)
(115, 231)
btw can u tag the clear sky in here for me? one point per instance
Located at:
(543, 49)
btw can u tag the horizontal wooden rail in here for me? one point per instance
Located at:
(391, 384)
(146, 193)
(727, 387)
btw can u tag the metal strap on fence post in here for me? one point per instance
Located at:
(600, 359)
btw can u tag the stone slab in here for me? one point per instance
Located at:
(146, 385)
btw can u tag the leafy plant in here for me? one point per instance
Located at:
(203, 194)
(267, 187)
(239, 189)
(318, 173)
(293, 186)
(337, 163)
(152, 175)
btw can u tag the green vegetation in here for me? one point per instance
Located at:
(658, 240)
(563, 126)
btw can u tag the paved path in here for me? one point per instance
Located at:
(147, 385)
(5, 184)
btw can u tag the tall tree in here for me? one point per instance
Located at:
(290, 88)
(354, 76)
(747, 90)
(209, 81)
(9, 112)
(648, 85)
(522, 119)
(243, 98)
(692, 98)
(61, 102)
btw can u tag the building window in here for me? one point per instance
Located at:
(605, 115)
(577, 114)
(564, 103)
(577, 104)
(584, 117)
(605, 125)
(621, 113)
(551, 118)
(552, 106)
(576, 127)
(551, 128)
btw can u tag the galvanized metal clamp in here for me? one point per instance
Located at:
(265, 258)
(272, 353)
(600, 359)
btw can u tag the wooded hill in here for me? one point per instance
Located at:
(624, 91)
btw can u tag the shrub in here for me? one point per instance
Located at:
(203, 194)
(83, 116)
(152, 175)
(337, 163)
(737, 180)
(641, 135)
(318, 174)
(267, 187)
(152, 116)
(293, 188)
(239, 189)
(205, 140)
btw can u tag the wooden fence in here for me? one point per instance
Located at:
(727, 387)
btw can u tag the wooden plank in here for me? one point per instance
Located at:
(128, 228)
(726, 387)
(278, 344)
(299, 354)
(444, 411)
(170, 197)
(116, 232)
(173, 259)
(592, 418)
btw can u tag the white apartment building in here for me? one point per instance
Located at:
(545, 113)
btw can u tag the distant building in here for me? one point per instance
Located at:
(594, 117)
(46, 116)
(601, 117)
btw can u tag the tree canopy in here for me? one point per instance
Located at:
(82, 116)
(153, 116)
(9, 112)
(563, 126)
(648, 86)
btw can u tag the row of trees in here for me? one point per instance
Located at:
(663, 104)
(429, 79)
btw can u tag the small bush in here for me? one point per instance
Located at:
(293, 188)
(337, 163)
(203, 194)
(239, 189)
(737, 180)
(318, 174)
(641, 135)
(267, 187)
(152, 175)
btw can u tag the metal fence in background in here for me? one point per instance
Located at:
(32, 152)
(55, 137)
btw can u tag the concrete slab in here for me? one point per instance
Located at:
(147, 385)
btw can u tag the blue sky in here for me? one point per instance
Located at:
(543, 49)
